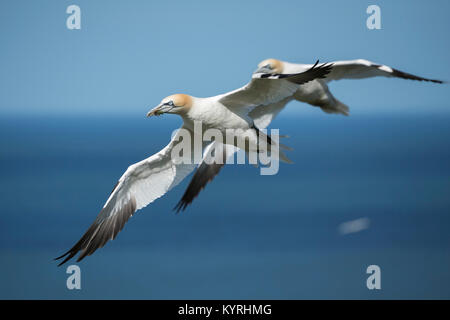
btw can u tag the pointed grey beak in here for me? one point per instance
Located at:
(152, 112)
(159, 110)
(263, 69)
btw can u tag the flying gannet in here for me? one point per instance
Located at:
(149, 179)
(315, 92)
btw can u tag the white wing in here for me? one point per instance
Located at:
(265, 89)
(359, 69)
(141, 184)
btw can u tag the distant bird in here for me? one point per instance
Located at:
(151, 178)
(315, 92)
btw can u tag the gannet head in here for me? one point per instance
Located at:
(176, 103)
(270, 66)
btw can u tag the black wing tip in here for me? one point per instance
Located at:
(99, 234)
(181, 205)
(324, 68)
(186, 200)
(315, 72)
(62, 256)
(189, 197)
(70, 254)
(433, 80)
(408, 76)
(325, 65)
(204, 174)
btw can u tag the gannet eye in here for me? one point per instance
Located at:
(268, 66)
(170, 103)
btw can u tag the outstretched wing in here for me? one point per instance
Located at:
(141, 184)
(359, 69)
(265, 89)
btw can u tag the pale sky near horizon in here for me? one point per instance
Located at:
(129, 55)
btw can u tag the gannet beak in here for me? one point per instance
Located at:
(159, 110)
(263, 69)
(152, 112)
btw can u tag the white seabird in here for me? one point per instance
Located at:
(149, 179)
(314, 92)
(317, 93)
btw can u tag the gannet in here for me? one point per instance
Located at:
(149, 179)
(315, 92)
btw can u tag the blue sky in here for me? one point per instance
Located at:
(130, 54)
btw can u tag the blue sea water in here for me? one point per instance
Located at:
(246, 236)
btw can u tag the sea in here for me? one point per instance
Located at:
(247, 236)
